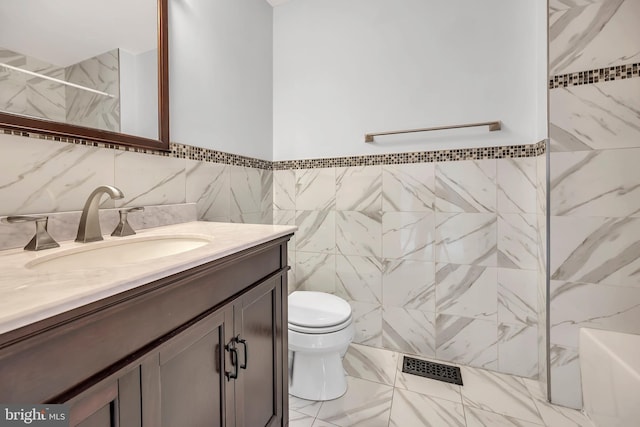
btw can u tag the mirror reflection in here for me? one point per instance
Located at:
(91, 63)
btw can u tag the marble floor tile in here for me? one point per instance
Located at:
(487, 399)
(417, 410)
(535, 388)
(322, 423)
(302, 406)
(369, 363)
(365, 404)
(296, 419)
(480, 418)
(559, 416)
(499, 393)
(426, 386)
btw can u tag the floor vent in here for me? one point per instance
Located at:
(435, 371)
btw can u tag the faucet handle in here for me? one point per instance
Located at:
(42, 239)
(123, 228)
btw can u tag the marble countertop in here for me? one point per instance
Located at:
(28, 296)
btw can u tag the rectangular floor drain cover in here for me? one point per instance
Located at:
(436, 371)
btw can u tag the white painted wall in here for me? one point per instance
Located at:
(139, 93)
(220, 70)
(343, 68)
(542, 66)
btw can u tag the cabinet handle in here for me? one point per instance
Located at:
(234, 361)
(246, 351)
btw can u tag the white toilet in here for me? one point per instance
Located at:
(320, 332)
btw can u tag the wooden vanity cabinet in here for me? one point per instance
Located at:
(215, 351)
(239, 380)
(258, 330)
(110, 403)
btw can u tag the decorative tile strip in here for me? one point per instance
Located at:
(208, 155)
(618, 72)
(179, 151)
(182, 151)
(502, 152)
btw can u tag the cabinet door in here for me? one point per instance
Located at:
(114, 404)
(258, 338)
(184, 383)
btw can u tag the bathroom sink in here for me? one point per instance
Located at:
(115, 253)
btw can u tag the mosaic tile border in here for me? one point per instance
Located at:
(482, 153)
(618, 72)
(182, 151)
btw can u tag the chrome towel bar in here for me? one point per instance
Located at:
(493, 126)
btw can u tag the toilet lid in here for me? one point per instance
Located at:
(317, 309)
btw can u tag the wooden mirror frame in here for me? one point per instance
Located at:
(21, 123)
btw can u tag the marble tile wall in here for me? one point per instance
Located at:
(84, 108)
(589, 34)
(37, 97)
(541, 276)
(43, 176)
(28, 95)
(437, 259)
(595, 204)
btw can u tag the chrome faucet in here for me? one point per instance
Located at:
(89, 228)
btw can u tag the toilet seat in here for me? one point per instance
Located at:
(325, 330)
(318, 312)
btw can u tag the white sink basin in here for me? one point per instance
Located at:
(114, 253)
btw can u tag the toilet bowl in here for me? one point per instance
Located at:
(320, 331)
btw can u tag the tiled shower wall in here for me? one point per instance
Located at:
(84, 108)
(543, 256)
(28, 95)
(438, 259)
(37, 97)
(595, 198)
(43, 176)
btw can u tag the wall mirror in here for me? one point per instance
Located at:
(89, 69)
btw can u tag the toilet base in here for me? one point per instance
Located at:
(316, 376)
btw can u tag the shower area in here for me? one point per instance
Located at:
(493, 256)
